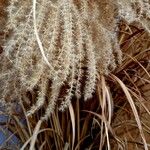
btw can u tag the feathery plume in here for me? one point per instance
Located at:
(62, 42)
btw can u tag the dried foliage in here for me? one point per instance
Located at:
(63, 41)
(58, 51)
(136, 11)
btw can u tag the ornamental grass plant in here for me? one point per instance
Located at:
(74, 74)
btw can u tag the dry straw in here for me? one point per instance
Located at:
(54, 51)
(52, 44)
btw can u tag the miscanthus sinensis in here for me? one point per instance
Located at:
(51, 43)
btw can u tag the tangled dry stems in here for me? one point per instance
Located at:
(76, 45)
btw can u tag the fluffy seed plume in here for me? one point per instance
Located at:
(57, 45)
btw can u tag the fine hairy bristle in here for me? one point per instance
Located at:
(51, 44)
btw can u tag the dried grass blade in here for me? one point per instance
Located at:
(72, 115)
(35, 133)
(135, 112)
